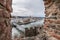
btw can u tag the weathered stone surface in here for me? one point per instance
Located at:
(52, 18)
(5, 28)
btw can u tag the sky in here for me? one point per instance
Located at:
(28, 8)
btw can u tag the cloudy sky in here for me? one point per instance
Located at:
(28, 8)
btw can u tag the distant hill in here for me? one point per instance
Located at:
(26, 17)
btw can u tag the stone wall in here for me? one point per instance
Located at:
(31, 32)
(52, 18)
(5, 28)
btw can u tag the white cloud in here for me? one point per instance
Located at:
(28, 8)
(22, 12)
